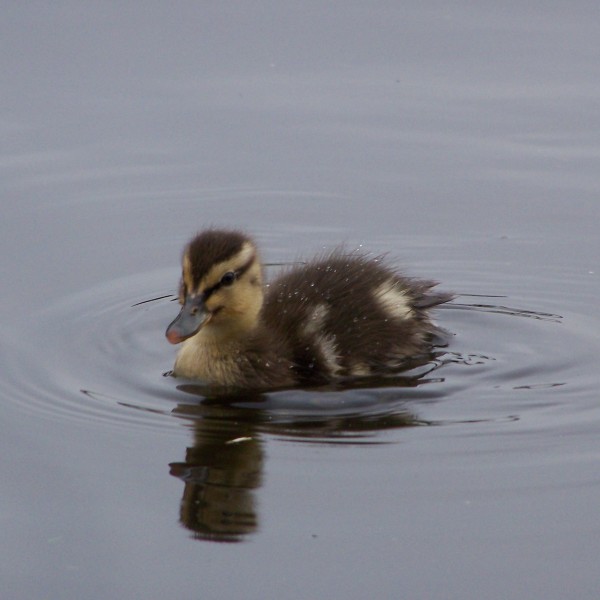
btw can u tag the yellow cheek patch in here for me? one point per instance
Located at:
(213, 302)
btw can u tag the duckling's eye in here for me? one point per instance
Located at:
(228, 278)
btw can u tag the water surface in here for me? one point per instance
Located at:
(458, 140)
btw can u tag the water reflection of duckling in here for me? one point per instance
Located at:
(341, 315)
(222, 472)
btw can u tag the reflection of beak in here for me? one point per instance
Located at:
(190, 319)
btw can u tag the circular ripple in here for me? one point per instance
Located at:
(95, 357)
(99, 356)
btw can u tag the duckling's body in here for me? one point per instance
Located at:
(343, 315)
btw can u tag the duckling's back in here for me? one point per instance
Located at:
(346, 315)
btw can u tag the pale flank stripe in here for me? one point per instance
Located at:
(395, 302)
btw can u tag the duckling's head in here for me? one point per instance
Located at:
(221, 289)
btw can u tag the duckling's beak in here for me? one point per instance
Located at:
(190, 319)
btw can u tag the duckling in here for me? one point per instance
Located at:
(343, 315)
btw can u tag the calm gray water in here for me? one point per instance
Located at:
(461, 139)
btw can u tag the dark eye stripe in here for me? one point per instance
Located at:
(213, 288)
